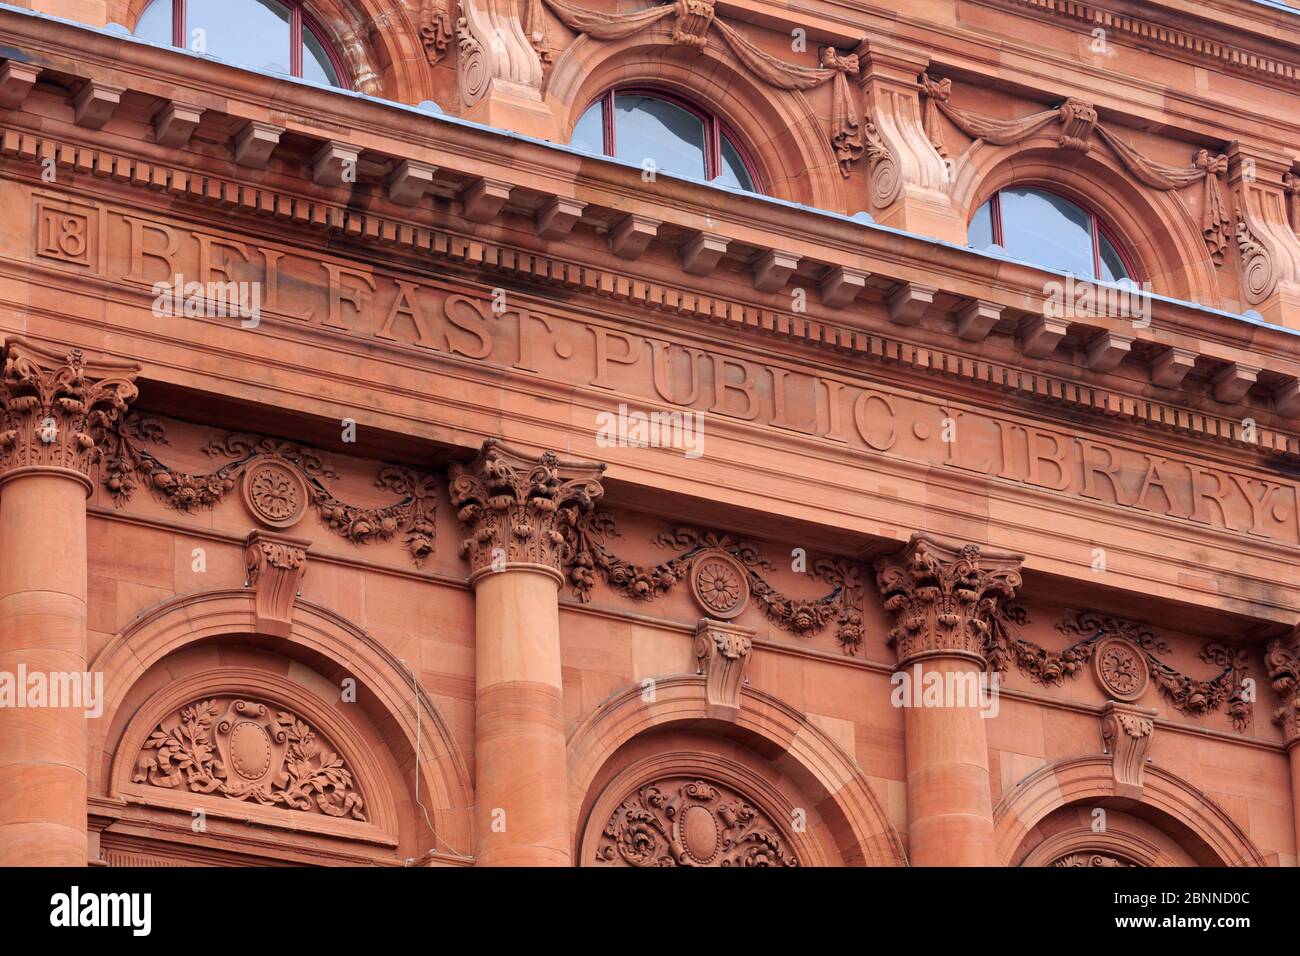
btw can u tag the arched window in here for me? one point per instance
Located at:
(277, 36)
(1047, 229)
(636, 125)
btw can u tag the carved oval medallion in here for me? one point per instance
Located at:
(700, 834)
(720, 584)
(1120, 668)
(250, 750)
(274, 493)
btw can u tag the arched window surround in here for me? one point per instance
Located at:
(301, 24)
(1099, 224)
(716, 128)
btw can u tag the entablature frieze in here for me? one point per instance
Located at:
(382, 303)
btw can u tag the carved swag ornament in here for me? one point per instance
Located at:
(1189, 695)
(276, 472)
(248, 750)
(1078, 121)
(685, 821)
(720, 584)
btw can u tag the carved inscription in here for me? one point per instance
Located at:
(464, 322)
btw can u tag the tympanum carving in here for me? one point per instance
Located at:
(249, 750)
(686, 821)
(1091, 859)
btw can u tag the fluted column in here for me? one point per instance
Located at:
(941, 598)
(1283, 660)
(55, 407)
(515, 508)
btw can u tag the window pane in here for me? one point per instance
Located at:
(155, 24)
(1048, 230)
(980, 235)
(589, 134)
(732, 170)
(316, 65)
(650, 128)
(1112, 266)
(253, 33)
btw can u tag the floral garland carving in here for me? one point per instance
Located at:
(1189, 695)
(1078, 121)
(127, 464)
(587, 554)
(236, 748)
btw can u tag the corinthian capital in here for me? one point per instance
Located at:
(1282, 658)
(942, 597)
(517, 507)
(55, 407)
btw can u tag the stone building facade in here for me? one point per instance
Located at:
(608, 433)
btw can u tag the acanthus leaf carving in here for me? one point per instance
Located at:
(722, 653)
(1282, 660)
(519, 508)
(1127, 732)
(249, 750)
(944, 598)
(435, 29)
(276, 565)
(58, 410)
(128, 463)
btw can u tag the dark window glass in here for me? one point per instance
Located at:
(734, 172)
(1046, 229)
(679, 140)
(647, 128)
(269, 35)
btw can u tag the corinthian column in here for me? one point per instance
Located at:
(941, 599)
(1283, 660)
(55, 407)
(516, 508)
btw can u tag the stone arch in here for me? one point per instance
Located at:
(786, 138)
(1195, 822)
(398, 709)
(1159, 228)
(378, 41)
(857, 829)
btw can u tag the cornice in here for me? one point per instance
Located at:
(466, 154)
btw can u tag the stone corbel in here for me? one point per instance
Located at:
(722, 655)
(1268, 247)
(910, 189)
(500, 71)
(1126, 733)
(276, 564)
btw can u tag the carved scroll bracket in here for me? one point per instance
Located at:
(276, 565)
(1267, 243)
(1126, 734)
(722, 655)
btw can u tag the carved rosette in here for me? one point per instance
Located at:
(1126, 733)
(722, 655)
(1120, 668)
(276, 565)
(274, 493)
(519, 508)
(57, 406)
(719, 584)
(249, 750)
(943, 599)
(685, 821)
